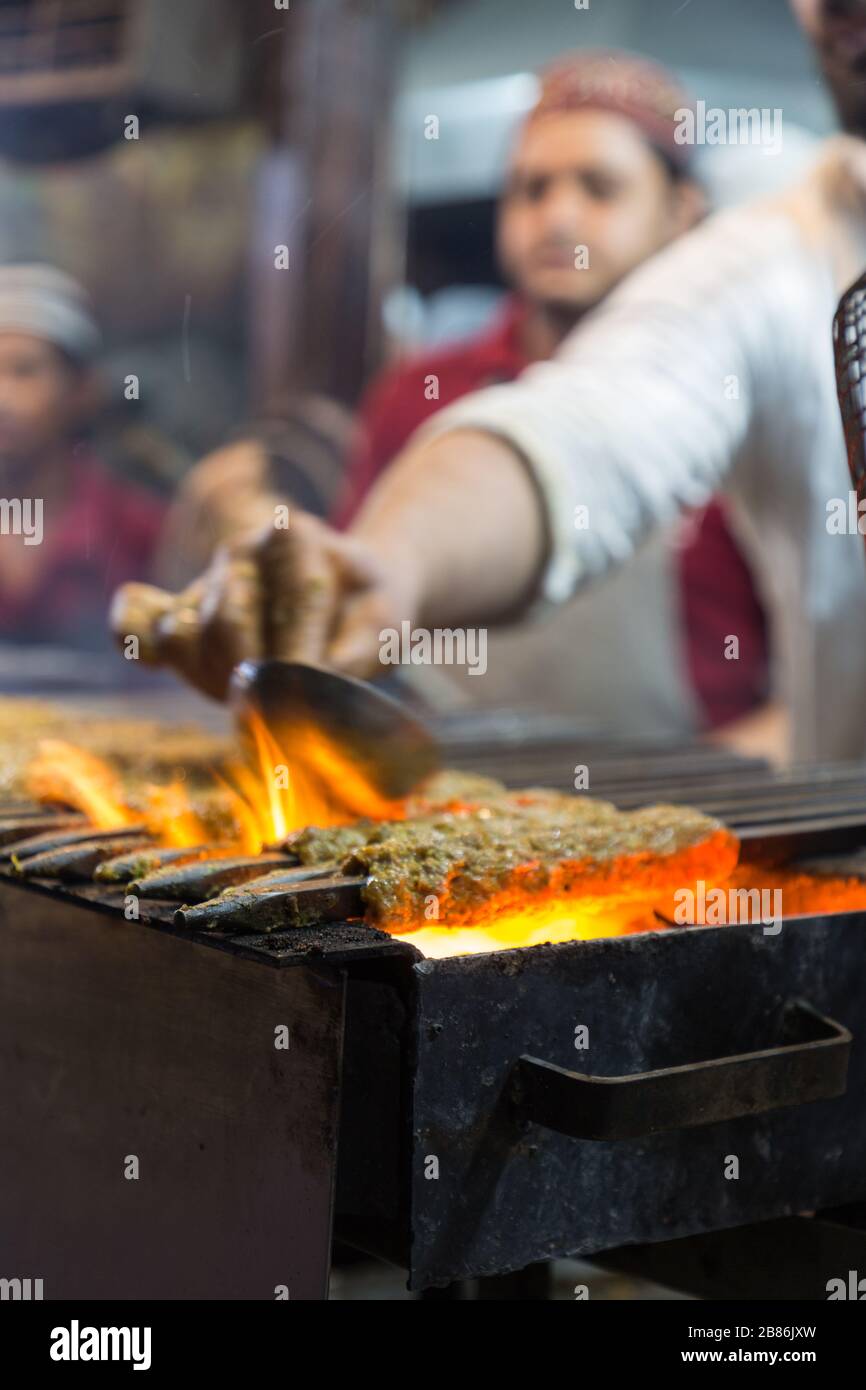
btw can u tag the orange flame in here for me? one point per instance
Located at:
(310, 783)
(275, 791)
(267, 796)
(169, 816)
(62, 772)
(552, 921)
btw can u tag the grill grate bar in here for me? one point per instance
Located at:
(746, 789)
(742, 811)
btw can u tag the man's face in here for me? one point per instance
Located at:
(39, 397)
(837, 28)
(584, 179)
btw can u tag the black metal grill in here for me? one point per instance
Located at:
(704, 1043)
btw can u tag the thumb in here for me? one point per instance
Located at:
(135, 612)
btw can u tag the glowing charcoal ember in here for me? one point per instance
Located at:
(794, 892)
(554, 922)
(73, 863)
(199, 881)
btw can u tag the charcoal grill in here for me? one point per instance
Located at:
(433, 1112)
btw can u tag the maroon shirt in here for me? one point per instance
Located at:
(104, 535)
(717, 595)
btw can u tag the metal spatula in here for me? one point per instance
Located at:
(391, 749)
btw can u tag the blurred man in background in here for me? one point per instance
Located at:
(70, 529)
(713, 362)
(596, 184)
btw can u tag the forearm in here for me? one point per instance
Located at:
(460, 518)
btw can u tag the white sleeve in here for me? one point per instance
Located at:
(649, 401)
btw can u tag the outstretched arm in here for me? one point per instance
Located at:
(518, 492)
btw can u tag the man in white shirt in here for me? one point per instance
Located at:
(711, 367)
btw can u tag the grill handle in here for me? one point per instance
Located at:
(815, 1067)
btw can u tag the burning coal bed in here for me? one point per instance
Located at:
(462, 867)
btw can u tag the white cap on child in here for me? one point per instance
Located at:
(48, 303)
